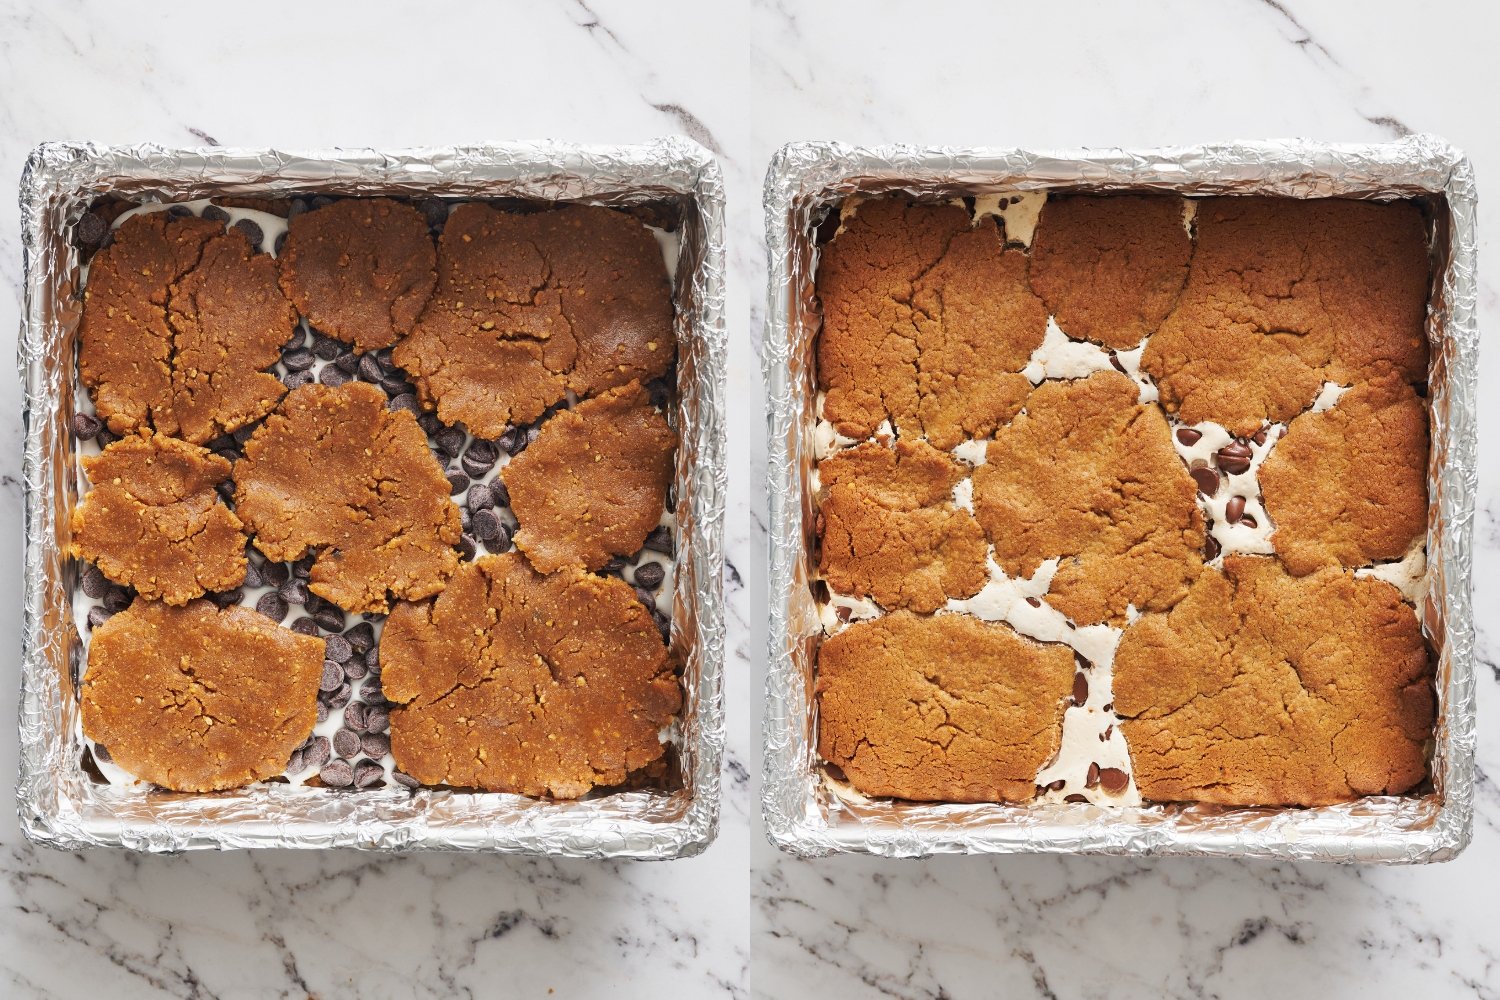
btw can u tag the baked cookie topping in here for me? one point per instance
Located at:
(180, 319)
(360, 269)
(890, 530)
(512, 681)
(335, 473)
(940, 708)
(594, 482)
(1251, 692)
(196, 699)
(153, 520)
(531, 306)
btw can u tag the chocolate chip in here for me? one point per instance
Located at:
(1207, 480)
(326, 348)
(107, 437)
(346, 743)
(615, 567)
(316, 751)
(85, 427)
(298, 360)
(272, 605)
(294, 763)
(274, 574)
(483, 452)
(436, 212)
(297, 380)
(322, 710)
(347, 362)
(450, 441)
(322, 201)
(251, 229)
(224, 598)
(487, 526)
(375, 745)
(253, 576)
(1082, 663)
(368, 774)
(1211, 548)
(302, 568)
(294, 592)
(650, 575)
(501, 541)
(663, 625)
(404, 401)
(296, 340)
(660, 393)
(1234, 458)
(337, 774)
(1260, 435)
(215, 213)
(280, 242)
(500, 493)
(506, 442)
(337, 649)
(369, 369)
(1234, 509)
(406, 780)
(645, 597)
(226, 490)
(1109, 731)
(305, 626)
(98, 616)
(1057, 785)
(1113, 779)
(1075, 797)
(329, 619)
(355, 669)
(338, 699)
(1114, 360)
(429, 423)
(457, 483)
(468, 547)
(1034, 602)
(660, 540)
(377, 718)
(333, 676)
(297, 207)
(1420, 388)
(90, 230)
(361, 637)
(1249, 521)
(372, 658)
(479, 498)
(179, 211)
(93, 581)
(1093, 778)
(1189, 436)
(117, 599)
(1080, 689)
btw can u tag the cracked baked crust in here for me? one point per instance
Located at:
(927, 322)
(941, 708)
(1110, 268)
(1250, 692)
(1089, 476)
(1348, 486)
(333, 471)
(179, 319)
(1284, 294)
(529, 306)
(153, 520)
(360, 269)
(196, 699)
(890, 531)
(594, 482)
(511, 681)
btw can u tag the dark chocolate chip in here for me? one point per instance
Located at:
(501, 541)
(1260, 435)
(1420, 388)
(305, 626)
(1093, 778)
(1034, 602)
(1081, 663)
(297, 380)
(1189, 436)
(1211, 548)
(1249, 521)
(645, 597)
(479, 498)
(294, 592)
(377, 718)
(226, 490)
(322, 201)
(404, 401)
(1114, 360)
(338, 699)
(468, 547)
(215, 213)
(660, 540)
(406, 780)
(117, 599)
(1057, 785)
(299, 359)
(98, 616)
(322, 710)
(224, 598)
(1113, 780)
(1207, 480)
(1234, 458)
(90, 230)
(296, 340)
(252, 231)
(506, 442)
(329, 618)
(179, 211)
(457, 483)
(279, 244)
(355, 669)
(333, 676)
(375, 745)
(369, 369)
(500, 493)
(347, 362)
(93, 581)
(1234, 510)
(483, 452)
(106, 437)
(663, 625)
(436, 212)
(1080, 689)
(368, 774)
(361, 637)
(85, 427)
(302, 568)
(487, 526)
(450, 441)
(615, 567)
(297, 207)
(650, 575)
(337, 649)
(274, 574)
(337, 774)
(429, 423)
(326, 348)
(346, 743)
(294, 764)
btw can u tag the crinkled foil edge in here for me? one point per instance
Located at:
(59, 806)
(803, 818)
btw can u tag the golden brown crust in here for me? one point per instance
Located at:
(890, 532)
(529, 306)
(1348, 486)
(927, 322)
(196, 699)
(1250, 692)
(1110, 268)
(1089, 476)
(153, 520)
(180, 318)
(335, 472)
(1284, 294)
(594, 482)
(360, 269)
(511, 681)
(942, 708)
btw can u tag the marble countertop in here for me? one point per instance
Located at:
(741, 919)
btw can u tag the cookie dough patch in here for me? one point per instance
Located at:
(1089, 476)
(1348, 485)
(1264, 689)
(1110, 268)
(196, 699)
(927, 322)
(179, 319)
(511, 681)
(153, 520)
(529, 306)
(334, 472)
(1284, 294)
(594, 482)
(360, 269)
(941, 708)
(890, 531)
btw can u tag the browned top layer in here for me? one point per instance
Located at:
(942, 708)
(179, 319)
(528, 306)
(511, 681)
(1284, 294)
(1088, 475)
(334, 471)
(1110, 268)
(196, 699)
(890, 531)
(360, 269)
(594, 482)
(153, 520)
(1348, 486)
(1265, 689)
(926, 322)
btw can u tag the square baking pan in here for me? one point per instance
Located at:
(804, 812)
(674, 180)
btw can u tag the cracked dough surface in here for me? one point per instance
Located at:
(336, 472)
(926, 322)
(1284, 294)
(179, 319)
(1088, 475)
(530, 306)
(1110, 268)
(890, 531)
(940, 708)
(1250, 692)
(512, 681)
(196, 699)
(360, 269)
(593, 483)
(153, 520)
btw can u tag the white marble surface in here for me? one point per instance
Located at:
(1120, 74)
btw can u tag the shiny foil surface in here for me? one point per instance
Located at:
(61, 806)
(803, 813)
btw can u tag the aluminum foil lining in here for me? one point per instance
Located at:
(58, 803)
(806, 816)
